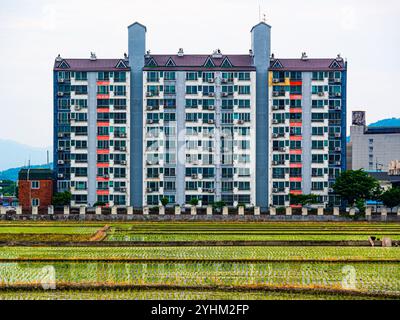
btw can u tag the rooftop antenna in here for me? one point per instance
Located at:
(264, 18)
(259, 12)
(48, 162)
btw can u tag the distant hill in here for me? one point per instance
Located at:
(14, 154)
(392, 122)
(12, 174)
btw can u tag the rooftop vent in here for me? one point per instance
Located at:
(339, 58)
(251, 53)
(180, 52)
(126, 57)
(272, 57)
(217, 54)
(304, 56)
(93, 56)
(59, 59)
(147, 55)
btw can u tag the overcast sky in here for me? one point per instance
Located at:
(33, 32)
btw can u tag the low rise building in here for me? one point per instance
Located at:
(35, 187)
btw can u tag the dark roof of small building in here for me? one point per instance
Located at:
(307, 65)
(91, 65)
(199, 61)
(382, 130)
(384, 176)
(36, 174)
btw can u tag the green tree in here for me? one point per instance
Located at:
(303, 199)
(194, 201)
(62, 198)
(355, 186)
(391, 198)
(164, 201)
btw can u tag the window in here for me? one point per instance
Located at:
(35, 184)
(191, 76)
(169, 75)
(244, 89)
(244, 76)
(35, 202)
(191, 89)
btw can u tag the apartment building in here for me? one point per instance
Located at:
(237, 128)
(92, 129)
(373, 147)
(307, 127)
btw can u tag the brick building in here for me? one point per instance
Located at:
(35, 187)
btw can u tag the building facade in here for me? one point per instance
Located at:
(235, 128)
(373, 148)
(92, 130)
(35, 187)
(307, 127)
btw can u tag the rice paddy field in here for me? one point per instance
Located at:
(147, 260)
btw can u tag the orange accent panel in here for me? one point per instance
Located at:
(103, 83)
(103, 96)
(103, 124)
(295, 138)
(103, 109)
(295, 151)
(102, 179)
(103, 165)
(295, 205)
(295, 192)
(295, 165)
(103, 138)
(296, 110)
(296, 83)
(103, 151)
(295, 124)
(295, 179)
(103, 192)
(295, 97)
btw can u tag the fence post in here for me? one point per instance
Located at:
(368, 211)
(114, 210)
(352, 211)
(384, 211)
(256, 211)
(145, 211)
(193, 210)
(288, 211)
(129, 210)
(50, 210)
(3, 210)
(272, 211)
(240, 210)
(336, 211)
(82, 210)
(320, 211)
(225, 211)
(19, 210)
(66, 210)
(98, 210)
(177, 210)
(35, 210)
(398, 211)
(304, 211)
(161, 210)
(209, 210)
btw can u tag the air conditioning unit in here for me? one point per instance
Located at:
(210, 190)
(224, 94)
(276, 80)
(149, 108)
(149, 190)
(210, 80)
(60, 148)
(275, 135)
(123, 162)
(122, 148)
(60, 135)
(330, 189)
(194, 176)
(282, 149)
(338, 94)
(321, 94)
(211, 107)
(338, 149)
(224, 80)
(149, 162)
(211, 94)
(337, 135)
(338, 108)
(275, 107)
(275, 121)
(149, 121)
(61, 80)
(275, 163)
(77, 108)
(122, 135)
(338, 163)
(210, 121)
(275, 94)
(240, 121)
(60, 94)
(337, 80)
(60, 175)
(60, 162)
(149, 94)
(106, 176)
(275, 189)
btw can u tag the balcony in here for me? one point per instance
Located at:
(278, 94)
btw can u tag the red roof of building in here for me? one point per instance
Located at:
(307, 65)
(92, 65)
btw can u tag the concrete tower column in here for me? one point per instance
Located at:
(137, 50)
(261, 47)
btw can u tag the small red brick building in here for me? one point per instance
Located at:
(35, 187)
